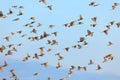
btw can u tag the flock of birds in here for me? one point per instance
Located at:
(11, 48)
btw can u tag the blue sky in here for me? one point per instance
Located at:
(64, 11)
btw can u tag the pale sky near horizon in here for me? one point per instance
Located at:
(64, 11)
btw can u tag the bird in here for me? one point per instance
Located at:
(1, 14)
(72, 23)
(34, 31)
(36, 74)
(9, 52)
(36, 56)
(54, 42)
(41, 54)
(49, 50)
(39, 25)
(112, 22)
(85, 43)
(54, 33)
(90, 62)
(114, 6)
(45, 64)
(79, 46)
(16, 19)
(5, 64)
(89, 33)
(20, 13)
(98, 67)
(1, 68)
(67, 49)
(118, 24)
(85, 68)
(80, 18)
(108, 26)
(7, 38)
(106, 31)
(50, 7)
(110, 43)
(2, 48)
(20, 31)
(51, 26)
(109, 56)
(10, 11)
(15, 6)
(105, 60)
(81, 39)
(93, 25)
(42, 49)
(44, 1)
(10, 45)
(4, 79)
(12, 33)
(58, 65)
(79, 68)
(21, 7)
(94, 19)
(80, 23)
(94, 4)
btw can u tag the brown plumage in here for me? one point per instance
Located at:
(34, 31)
(108, 26)
(44, 1)
(45, 64)
(106, 31)
(118, 24)
(80, 18)
(81, 39)
(1, 68)
(58, 65)
(36, 56)
(10, 11)
(89, 33)
(39, 25)
(5, 64)
(94, 25)
(85, 68)
(67, 49)
(109, 56)
(4, 79)
(90, 62)
(9, 52)
(94, 19)
(7, 38)
(112, 22)
(54, 42)
(54, 33)
(98, 67)
(12, 33)
(20, 13)
(79, 67)
(1, 14)
(2, 48)
(72, 23)
(42, 49)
